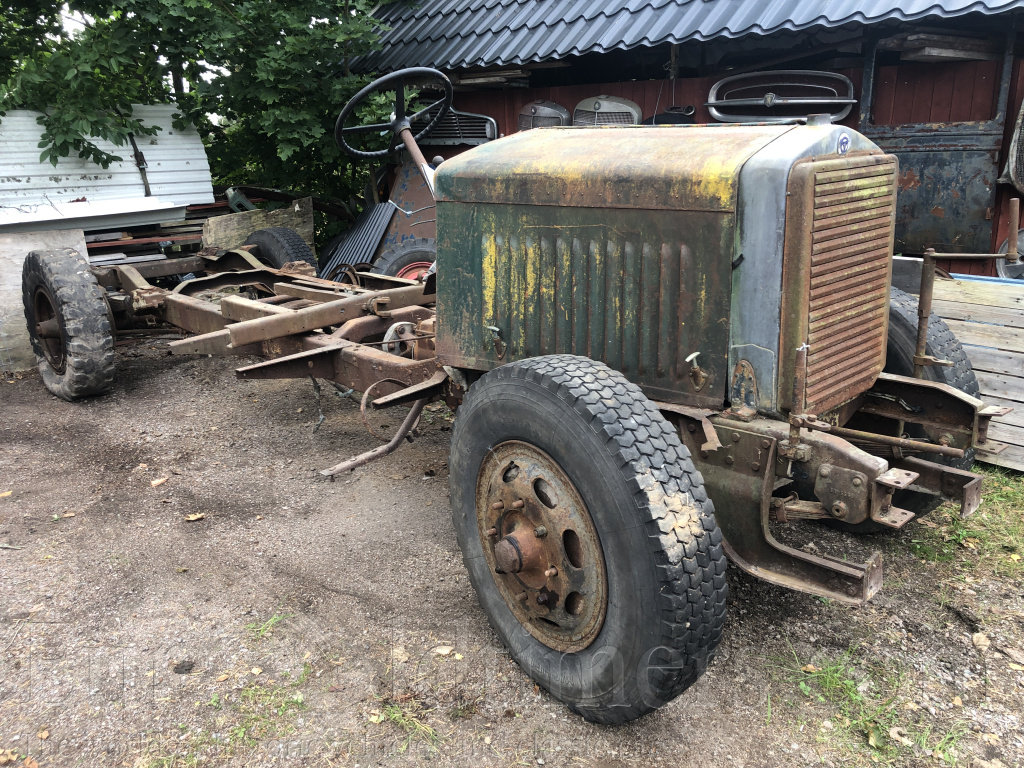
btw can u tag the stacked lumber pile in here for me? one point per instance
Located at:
(988, 318)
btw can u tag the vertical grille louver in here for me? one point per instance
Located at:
(850, 208)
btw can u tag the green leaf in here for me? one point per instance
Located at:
(71, 73)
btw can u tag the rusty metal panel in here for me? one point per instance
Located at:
(839, 235)
(947, 191)
(639, 290)
(671, 167)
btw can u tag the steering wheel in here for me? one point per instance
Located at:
(395, 81)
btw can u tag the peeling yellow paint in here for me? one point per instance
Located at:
(489, 276)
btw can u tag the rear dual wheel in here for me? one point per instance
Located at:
(587, 534)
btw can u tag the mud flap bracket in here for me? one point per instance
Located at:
(744, 473)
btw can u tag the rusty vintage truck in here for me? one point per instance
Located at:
(663, 344)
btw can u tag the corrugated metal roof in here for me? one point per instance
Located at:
(454, 34)
(179, 173)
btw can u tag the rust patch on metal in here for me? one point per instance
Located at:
(909, 179)
(541, 545)
(938, 211)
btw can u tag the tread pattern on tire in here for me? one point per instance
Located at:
(80, 303)
(941, 343)
(280, 245)
(391, 261)
(670, 499)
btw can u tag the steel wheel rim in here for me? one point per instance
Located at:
(53, 347)
(414, 271)
(530, 514)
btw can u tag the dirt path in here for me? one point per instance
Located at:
(300, 622)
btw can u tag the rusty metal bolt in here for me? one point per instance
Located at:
(857, 481)
(729, 459)
(824, 472)
(755, 466)
(735, 437)
(518, 504)
(540, 531)
(839, 509)
(542, 598)
(552, 571)
(498, 505)
(691, 427)
(492, 531)
(766, 444)
(522, 597)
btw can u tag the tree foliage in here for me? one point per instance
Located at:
(262, 80)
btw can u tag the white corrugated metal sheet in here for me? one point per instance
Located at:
(178, 172)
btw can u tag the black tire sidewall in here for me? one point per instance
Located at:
(511, 409)
(84, 319)
(395, 258)
(278, 246)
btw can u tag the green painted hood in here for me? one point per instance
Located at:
(672, 167)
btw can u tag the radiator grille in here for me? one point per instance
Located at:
(589, 117)
(848, 301)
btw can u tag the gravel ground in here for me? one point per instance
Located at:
(178, 590)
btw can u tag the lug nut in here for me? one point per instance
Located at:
(552, 571)
(542, 598)
(522, 597)
(492, 531)
(518, 504)
(498, 505)
(540, 532)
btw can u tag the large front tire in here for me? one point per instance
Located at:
(586, 452)
(68, 324)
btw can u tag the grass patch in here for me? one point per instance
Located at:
(255, 713)
(259, 631)
(991, 541)
(864, 697)
(407, 714)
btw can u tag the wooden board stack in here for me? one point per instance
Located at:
(988, 318)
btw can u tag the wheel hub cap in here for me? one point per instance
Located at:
(541, 545)
(49, 332)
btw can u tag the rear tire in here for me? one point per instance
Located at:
(659, 546)
(409, 259)
(899, 359)
(277, 246)
(76, 359)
